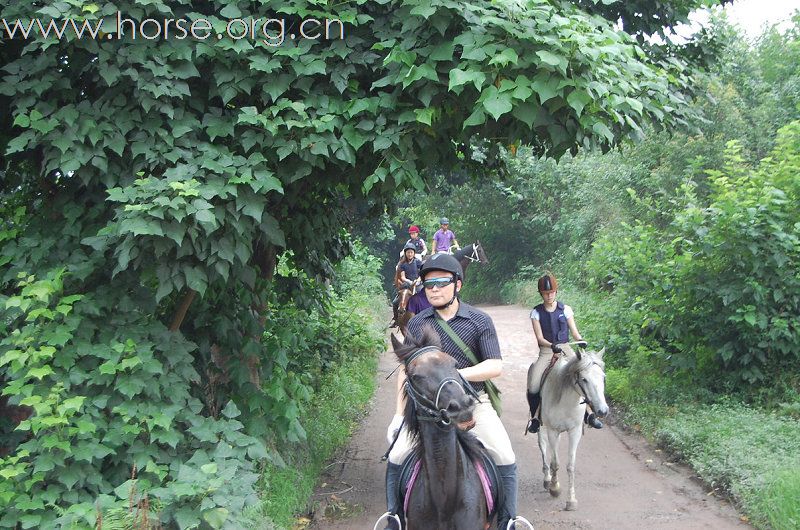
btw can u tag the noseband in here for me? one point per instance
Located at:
(428, 410)
(583, 392)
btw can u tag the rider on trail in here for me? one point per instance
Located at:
(552, 323)
(407, 278)
(408, 268)
(444, 238)
(442, 277)
(418, 242)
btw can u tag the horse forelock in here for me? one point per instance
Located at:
(574, 366)
(586, 360)
(429, 337)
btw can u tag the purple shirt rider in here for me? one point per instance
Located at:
(443, 239)
(418, 302)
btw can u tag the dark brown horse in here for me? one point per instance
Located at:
(447, 494)
(465, 256)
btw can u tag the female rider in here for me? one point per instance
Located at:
(552, 323)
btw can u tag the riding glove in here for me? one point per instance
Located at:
(394, 428)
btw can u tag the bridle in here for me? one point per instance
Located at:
(583, 392)
(473, 256)
(428, 410)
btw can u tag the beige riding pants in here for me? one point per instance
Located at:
(488, 428)
(537, 367)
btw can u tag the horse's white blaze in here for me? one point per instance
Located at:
(562, 411)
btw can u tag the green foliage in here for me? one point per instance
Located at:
(340, 396)
(749, 453)
(718, 285)
(113, 398)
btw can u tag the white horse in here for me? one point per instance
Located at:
(572, 382)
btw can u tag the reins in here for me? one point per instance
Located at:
(428, 410)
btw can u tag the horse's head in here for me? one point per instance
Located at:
(480, 252)
(435, 389)
(588, 373)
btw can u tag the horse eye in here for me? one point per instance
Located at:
(585, 380)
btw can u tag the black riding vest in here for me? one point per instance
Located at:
(554, 325)
(417, 244)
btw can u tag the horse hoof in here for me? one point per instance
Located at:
(555, 492)
(571, 506)
(546, 484)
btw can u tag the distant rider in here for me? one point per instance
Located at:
(407, 276)
(419, 243)
(444, 238)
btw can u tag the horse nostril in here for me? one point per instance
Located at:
(603, 412)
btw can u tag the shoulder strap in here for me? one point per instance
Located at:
(460, 343)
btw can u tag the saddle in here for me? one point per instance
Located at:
(486, 468)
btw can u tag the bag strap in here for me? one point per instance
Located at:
(460, 343)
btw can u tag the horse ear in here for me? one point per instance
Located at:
(578, 353)
(396, 344)
(601, 352)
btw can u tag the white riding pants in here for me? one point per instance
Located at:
(488, 428)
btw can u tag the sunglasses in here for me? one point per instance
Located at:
(438, 282)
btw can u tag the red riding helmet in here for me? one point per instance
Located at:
(414, 228)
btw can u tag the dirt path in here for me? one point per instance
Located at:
(621, 482)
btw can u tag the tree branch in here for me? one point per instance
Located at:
(180, 313)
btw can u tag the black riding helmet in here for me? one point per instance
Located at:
(409, 246)
(442, 262)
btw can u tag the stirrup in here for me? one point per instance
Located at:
(515, 520)
(593, 421)
(531, 425)
(389, 516)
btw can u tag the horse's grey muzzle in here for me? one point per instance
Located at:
(601, 412)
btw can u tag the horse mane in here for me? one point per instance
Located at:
(574, 365)
(429, 337)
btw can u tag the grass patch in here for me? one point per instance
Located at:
(330, 420)
(752, 454)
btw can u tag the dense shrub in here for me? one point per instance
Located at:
(719, 285)
(124, 414)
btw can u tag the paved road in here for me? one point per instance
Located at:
(621, 482)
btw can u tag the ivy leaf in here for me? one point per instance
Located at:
(460, 77)
(508, 55)
(231, 410)
(476, 118)
(553, 59)
(424, 116)
(578, 99)
(498, 104)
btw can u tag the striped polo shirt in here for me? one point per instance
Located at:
(472, 325)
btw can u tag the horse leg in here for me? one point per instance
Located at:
(543, 449)
(403, 303)
(574, 439)
(552, 441)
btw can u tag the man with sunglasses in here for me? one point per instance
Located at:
(442, 278)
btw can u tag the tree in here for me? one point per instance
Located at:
(156, 182)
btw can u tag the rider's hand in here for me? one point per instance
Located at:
(394, 428)
(556, 348)
(581, 344)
